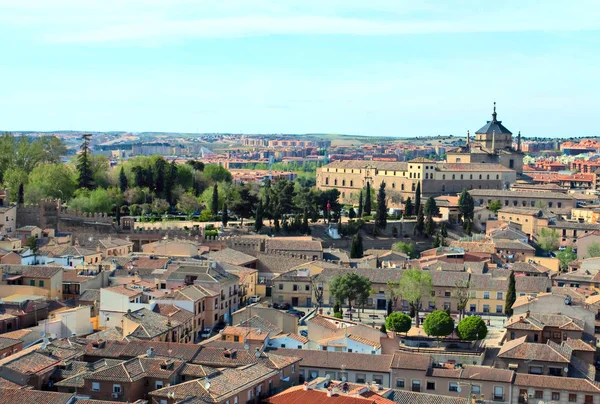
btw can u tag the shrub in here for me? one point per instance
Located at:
(337, 314)
(211, 233)
(210, 226)
(398, 322)
(472, 328)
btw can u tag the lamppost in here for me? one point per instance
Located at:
(460, 383)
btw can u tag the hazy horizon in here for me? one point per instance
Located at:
(388, 68)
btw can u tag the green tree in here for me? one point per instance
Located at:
(258, 219)
(444, 230)
(350, 287)
(408, 207)
(438, 241)
(418, 197)
(225, 216)
(495, 206)
(217, 173)
(351, 214)
(160, 206)
(21, 196)
(398, 322)
(159, 177)
(188, 204)
(405, 248)
(244, 203)
(438, 324)
(431, 208)
(122, 180)
(472, 328)
(50, 181)
(381, 213)
(565, 257)
(367, 205)
(593, 250)
(511, 295)
(420, 225)
(414, 285)
(84, 165)
(547, 239)
(360, 204)
(466, 205)
(429, 226)
(356, 249)
(305, 226)
(214, 206)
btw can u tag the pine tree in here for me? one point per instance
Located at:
(431, 207)
(381, 213)
(84, 166)
(122, 180)
(225, 216)
(408, 207)
(367, 205)
(360, 204)
(438, 242)
(356, 249)
(418, 197)
(21, 196)
(214, 206)
(420, 225)
(429, 226)
(511, 295)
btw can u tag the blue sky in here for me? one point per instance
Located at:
(376, 67)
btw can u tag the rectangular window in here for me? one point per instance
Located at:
(116, 388)
(498, 308)
(41, 284)
(32, 282)
(361, 378)
(486, 308)
(159, 384)
(95, 386)
(473, 308)
(295, 287)
(400, 383)
(293, 369)
(572, 398)
(236, 338)
(498, 393)
(453, 386)
(446, 305)
(307, 287)
(539, 394)
(589, 399)
(447, 294)
(486, 295)
(499, 295)
(555, 395)
(476, 389)
(416, 386)
(378, 379)
(430, 385)
(281, 286)
(536, 370)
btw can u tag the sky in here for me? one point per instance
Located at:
(368, 67)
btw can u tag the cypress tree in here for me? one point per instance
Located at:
(360, 204)
(429, 226)
(418, 197)
(511, 295)
(420, 226)
(84, 166)
(356, 249)
(367, 204)
(225, 216)
(214, 206)
(21, 196)
(408, 207)
(381, 213)
(258, 220)
(122, 180)
(444, 230)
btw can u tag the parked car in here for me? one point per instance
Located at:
(304, 333)
(296, 313)
(254, 299)
(205, 333)
(282, 306)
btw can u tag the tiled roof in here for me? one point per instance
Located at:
(8, 342)
(7, 384)
(231, 256)
(296, 337)
(338, 360)
(478, 167)
(380, 165)
(138, 368)
(579, 345)
(409, 397)
(402, 360)
(520, 349)
(150, 263)
(378, 275)
(556, 383)
(498, 193)
(30, 271)
(537, 321)
(32, 362)
(260, 323)
(447, 278)
(124, 290)
(173, 312)
(293, 244)
(11, 396)
(189, 369)
(222, 385)
(151, 324)
(507, 244)
(529, 267)
(189, 293)
(533, 284)
(297, 395)
(234, 357)
(132, 349)
(90, 295)
(72, 251)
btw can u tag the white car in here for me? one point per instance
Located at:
(205, 333)
(254, 299)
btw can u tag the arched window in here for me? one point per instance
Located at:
(461, 176)
(402, 187)
(413, 187)
(471, 176)
(343, 183)
(393, 185)
(351, 183)
(488, 177)
(443, 176)
(443, 188)
(479, 176)
(335, 182)
(327, 181)
(497, 176)
(453, 176)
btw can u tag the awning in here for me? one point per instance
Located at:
(14, 278)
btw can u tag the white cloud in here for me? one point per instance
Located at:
(139, 21)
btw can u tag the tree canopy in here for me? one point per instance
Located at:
(398, 322)
(565, 257)
(414, 285)
(547, 239)
(472, 328)
(350, 287)
(381, 212)
(511, 295)
(593, 250)
(438, 324)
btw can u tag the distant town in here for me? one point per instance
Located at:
(170, 268)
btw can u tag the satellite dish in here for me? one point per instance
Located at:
(566, 370)
(344, 379)
(207, 385)
(458, 389)
(246, 347)
(314, 374)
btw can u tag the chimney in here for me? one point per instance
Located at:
(305, 386)
(527, 314)
(329, 392)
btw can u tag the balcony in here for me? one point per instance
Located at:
(498, 397)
